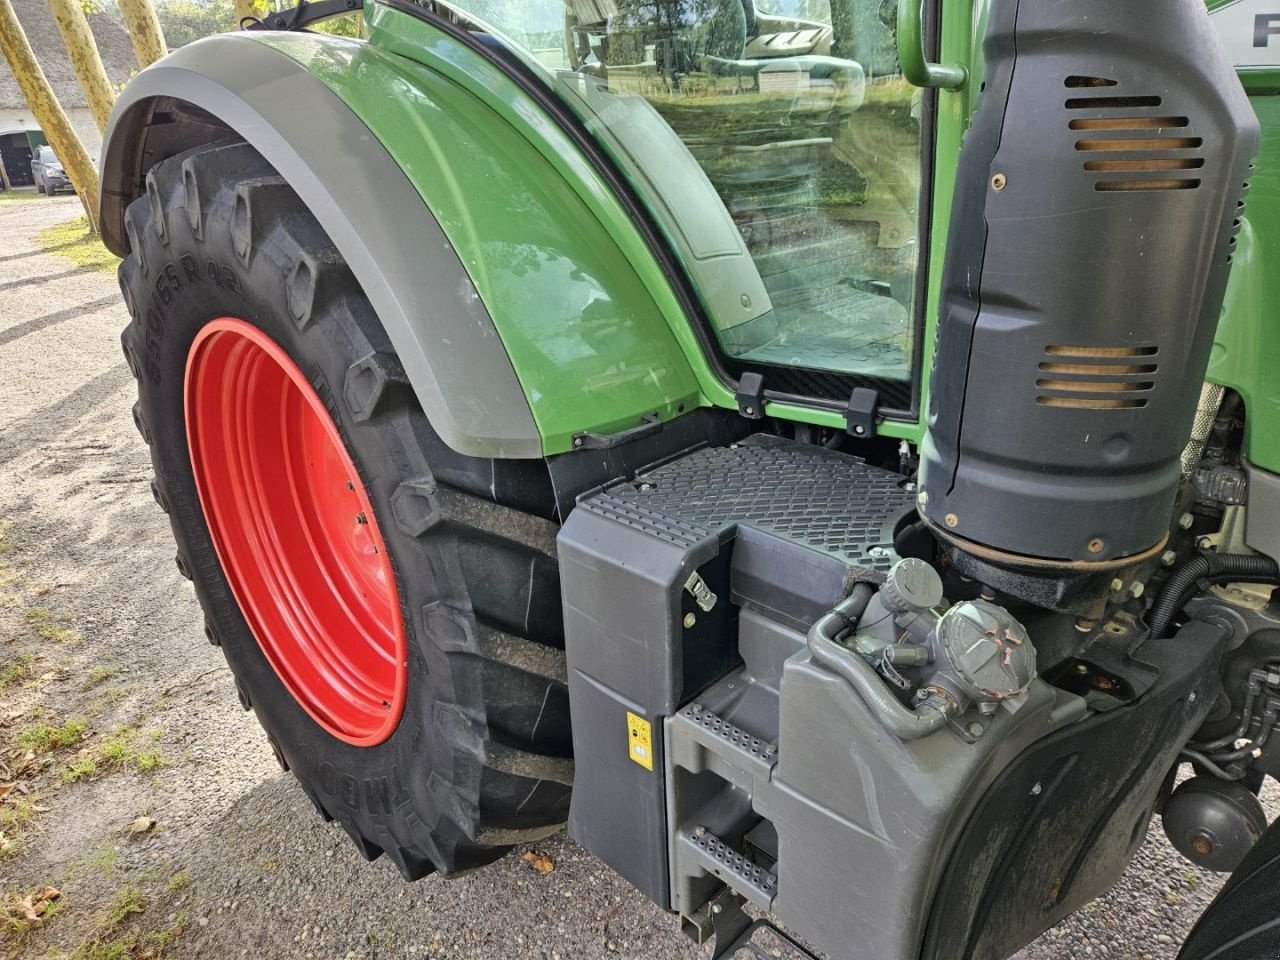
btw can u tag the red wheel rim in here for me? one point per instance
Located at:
(294, 529)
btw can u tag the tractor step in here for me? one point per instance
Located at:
(757, 884)
(699, 739)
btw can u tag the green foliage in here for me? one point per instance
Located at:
(349, 26)
(45, 738)
(50, 626)
(82, 768)
(18, 670)
(186, 20)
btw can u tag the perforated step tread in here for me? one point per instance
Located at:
(758, 884)
(828, 501)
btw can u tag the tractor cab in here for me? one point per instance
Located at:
(780, 150)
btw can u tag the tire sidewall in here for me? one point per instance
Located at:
(190, 276)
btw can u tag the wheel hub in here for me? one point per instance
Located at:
(295, 531)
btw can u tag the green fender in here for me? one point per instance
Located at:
(521, 298)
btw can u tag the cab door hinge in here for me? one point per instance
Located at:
(750, 395)
(860, 415)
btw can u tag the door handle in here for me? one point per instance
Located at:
(915, 67)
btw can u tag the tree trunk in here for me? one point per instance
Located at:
(48, 112)
(247, 8)
(144, 30)
(82, 50)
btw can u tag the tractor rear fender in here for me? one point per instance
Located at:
(516, 318)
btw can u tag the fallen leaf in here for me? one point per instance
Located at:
(5, 788)
(28, 910)
(540, 862)
(48, 893)
(141, 825)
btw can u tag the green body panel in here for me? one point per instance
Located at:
(595, 332)
(577, 311)
(1246, 350)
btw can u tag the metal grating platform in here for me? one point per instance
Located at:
(825, 500)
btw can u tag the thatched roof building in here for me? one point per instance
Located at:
(18, 129)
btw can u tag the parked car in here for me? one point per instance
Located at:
(47, 171)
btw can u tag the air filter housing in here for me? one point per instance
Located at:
(1098, 196)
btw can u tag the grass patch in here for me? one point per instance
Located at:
(51, 626)
(16, 671)
(178, 882)
(152, 945)
(98, 676)
(15, 814)
(45, 737)
(82, 768)
(72, 241)
(20, 913)
(127, 902)
(109, 942)
(20, 196)
(121, 749)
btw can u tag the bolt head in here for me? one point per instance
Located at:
(1095, 545)
(1202, 844)
(1169, 558)
(999, 182)
(689, 620)
(952, 520)
(1117, 585)
(1186, 521)
(975, 729)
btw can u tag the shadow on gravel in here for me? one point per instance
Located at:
(42, 278)
(16, 438)
(37, 252)
(19, 330)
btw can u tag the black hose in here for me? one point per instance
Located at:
(1246, 721)
(1215, 567)
(903, 722)
(1232, 773)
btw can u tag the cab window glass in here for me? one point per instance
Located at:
(798, 116)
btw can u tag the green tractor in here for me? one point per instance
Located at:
(826, 452)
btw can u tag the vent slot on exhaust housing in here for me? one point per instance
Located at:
(1096, 378)
(1139, 150)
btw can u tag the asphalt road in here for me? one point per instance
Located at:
(237, 864)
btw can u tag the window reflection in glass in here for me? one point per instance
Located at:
(798, 115)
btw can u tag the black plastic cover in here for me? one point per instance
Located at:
(1094, 218)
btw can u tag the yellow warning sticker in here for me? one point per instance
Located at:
(640, 740)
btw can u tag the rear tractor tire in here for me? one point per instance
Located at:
(400, 641)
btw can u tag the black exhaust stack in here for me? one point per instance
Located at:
(1097, 200)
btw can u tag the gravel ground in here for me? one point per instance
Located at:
(236, 863)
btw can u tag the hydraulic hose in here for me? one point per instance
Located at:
(902, 722)
(1215, 567)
